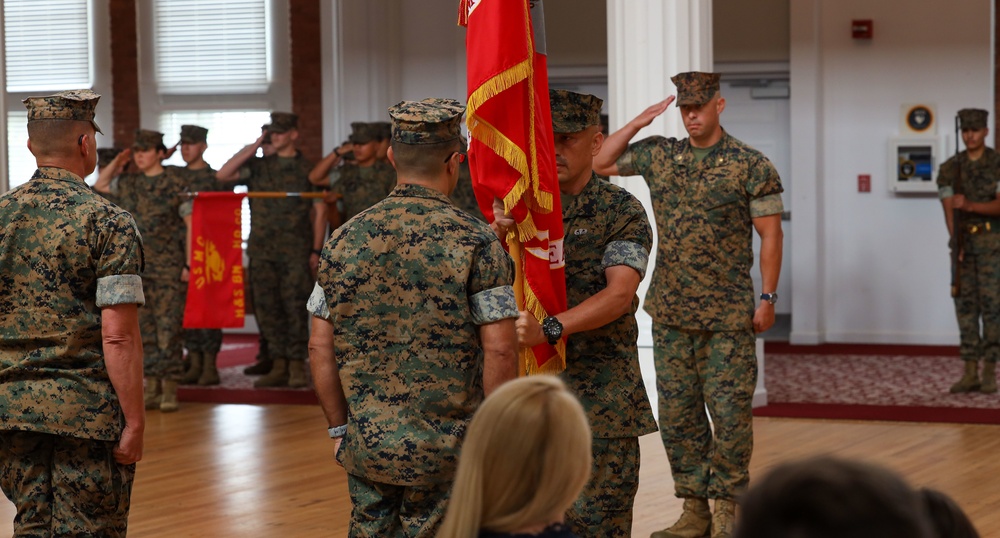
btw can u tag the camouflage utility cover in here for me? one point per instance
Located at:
(146, 139)
(106, 155)
(193, 134)
(573, 112)
(65, 253)
(972, 118)
(282, 122)
(431, 121)
(75, 105)
(280, 228)
(362, 132)
(695, 88)
(406, 285)
(606, 226)
(703, 213)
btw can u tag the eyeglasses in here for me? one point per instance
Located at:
(461, 157)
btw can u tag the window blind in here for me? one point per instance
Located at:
(47, 44)
(216, 47)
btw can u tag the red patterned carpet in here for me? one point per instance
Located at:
(905, 383)
(238, 351)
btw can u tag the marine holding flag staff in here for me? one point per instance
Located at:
(969, 185)
(72, 420)
(414, 325)
(286, 235)
(608, 239)
(709, 191)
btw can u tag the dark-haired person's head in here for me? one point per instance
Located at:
(946, 517)
(831, 498)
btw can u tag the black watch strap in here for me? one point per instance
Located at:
(553, 329)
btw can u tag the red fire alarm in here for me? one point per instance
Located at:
(862, 29)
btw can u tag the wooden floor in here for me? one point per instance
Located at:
(266, 471)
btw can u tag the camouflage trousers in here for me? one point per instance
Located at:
(64, 486)
(979, 298)
(203, 340)
(604, 508)
(382, 510)
(161, 322)
(280, 292)
(695, 369)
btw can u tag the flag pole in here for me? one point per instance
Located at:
(260, 194)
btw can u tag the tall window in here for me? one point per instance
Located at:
(36, 63)
(221, 65)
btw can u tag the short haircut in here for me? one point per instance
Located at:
(526, 457)
(422, 160)
(831, 498)
(55, 138)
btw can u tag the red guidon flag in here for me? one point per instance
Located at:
(512, 156)
(215, 297)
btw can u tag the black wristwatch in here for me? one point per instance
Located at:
(552, 329)
(769, 297)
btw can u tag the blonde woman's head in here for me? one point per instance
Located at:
(525, 459)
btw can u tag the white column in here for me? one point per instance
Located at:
(361, 64)
(807, 235)
(650, 41)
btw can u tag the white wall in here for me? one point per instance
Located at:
(881, 264)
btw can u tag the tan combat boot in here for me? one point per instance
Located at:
(297, 374)
(168, 404)
(152, 392)
(277, 377)
(969, 381)
(260, 367)
(989, 384)
(194, 368)
(694, 522)
(209, 371)
(723, 518)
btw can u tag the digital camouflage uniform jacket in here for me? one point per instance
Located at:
(280, 228)
(158, 207)
(606, 226)
(204, 180)
(704, 213)
(65, 253)
(406, 285)
(979, 181)
(362, 188)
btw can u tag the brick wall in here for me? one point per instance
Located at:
(307, 81)
(124, 71)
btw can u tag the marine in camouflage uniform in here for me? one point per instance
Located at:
(709, 193)
(607, 244)
(403, 357)
(969, 182)
(67, 255)
(203, 345)
(362, 185)
(463, 196)
(155, 199)
(283, 236)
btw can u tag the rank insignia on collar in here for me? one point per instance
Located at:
(580, 231)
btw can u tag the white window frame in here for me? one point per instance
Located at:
(100, 60)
